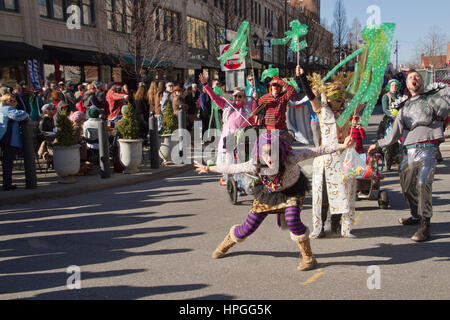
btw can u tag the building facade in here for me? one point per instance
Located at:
(86, 40)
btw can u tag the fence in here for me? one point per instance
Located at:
(435, 75)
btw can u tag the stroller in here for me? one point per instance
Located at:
(243, 184)
(368, 184)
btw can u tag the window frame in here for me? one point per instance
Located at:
(16, 6)
(124, 17)
(175, 25)
(65, 4)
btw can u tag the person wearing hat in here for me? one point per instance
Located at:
(329, 193)
(357, 133)
(46, 124)
(391, 153)
(69, 96)
(281, 192)
(274, 105)
(90, 133)
(235, 114)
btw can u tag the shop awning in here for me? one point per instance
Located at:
(20, 50)
(70, 55)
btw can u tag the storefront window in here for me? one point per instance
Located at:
(10, 76)
(90, 73)
(72, 73)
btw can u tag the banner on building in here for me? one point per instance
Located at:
(34, 71)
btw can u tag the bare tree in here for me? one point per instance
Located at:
(318, 38)
(144, 34)
(434, 43)
(227, 16)
(354, 34)
(340, 27)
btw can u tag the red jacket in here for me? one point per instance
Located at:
(358, 135)
(115, 107)
(276, 107)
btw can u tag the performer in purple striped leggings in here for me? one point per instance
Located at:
(281, 190)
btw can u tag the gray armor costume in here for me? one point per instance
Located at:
(420, 123)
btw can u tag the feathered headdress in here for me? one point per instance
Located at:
(334, 90)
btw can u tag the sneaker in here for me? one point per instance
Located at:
(409, 222)
(9, 188)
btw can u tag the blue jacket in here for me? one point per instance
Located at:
(205, 103)
(7, 114)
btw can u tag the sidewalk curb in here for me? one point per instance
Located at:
(116, 181)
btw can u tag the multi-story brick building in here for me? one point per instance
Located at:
(191, 31)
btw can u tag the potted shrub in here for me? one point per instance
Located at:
(130, 143)
(66, 151)
(169, 126)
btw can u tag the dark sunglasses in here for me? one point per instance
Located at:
(239, 96)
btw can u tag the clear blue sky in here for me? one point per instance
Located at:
(413, 19)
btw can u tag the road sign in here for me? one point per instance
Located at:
(234, 63)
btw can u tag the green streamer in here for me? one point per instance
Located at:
(349, 58)
(215, 111)
(354, 82)
(297, 31)
(239, 44)
(293, 83)
(379, 44)
(270, 73)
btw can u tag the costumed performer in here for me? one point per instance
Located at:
(281, 191)
(329, 191)
(420, 123)
(234, 116)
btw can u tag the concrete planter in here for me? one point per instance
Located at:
(166, 146)
(131, 155)
(67, 162)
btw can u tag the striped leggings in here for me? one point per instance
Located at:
(253, 221)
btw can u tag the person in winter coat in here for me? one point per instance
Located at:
(11, 139)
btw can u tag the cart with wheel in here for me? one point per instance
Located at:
(369, 184)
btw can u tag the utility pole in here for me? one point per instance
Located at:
(396, 55)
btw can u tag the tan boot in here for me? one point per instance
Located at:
(308, 261)
(229, 241)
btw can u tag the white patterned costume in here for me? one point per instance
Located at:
(341, 196)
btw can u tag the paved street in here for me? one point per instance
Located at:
(154, 241)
